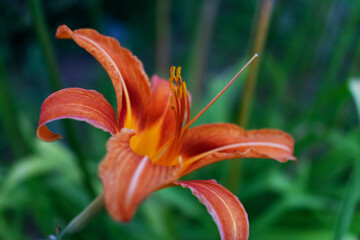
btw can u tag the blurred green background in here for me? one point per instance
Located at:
(309, 51)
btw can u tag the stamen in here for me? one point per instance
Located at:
(184, 89)
(180, 104)
(220, 93)
(179, 91)
(172, 72)
(178, 72)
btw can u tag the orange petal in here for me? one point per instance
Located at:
(129, 178)
(224, 207)
(210, 143)
(79, 104)
(159, 121)
(127, 73)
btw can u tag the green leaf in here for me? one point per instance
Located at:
(48, 159)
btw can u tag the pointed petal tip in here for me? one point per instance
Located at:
(63, 32)
(44, 134)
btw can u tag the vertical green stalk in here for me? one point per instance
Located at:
(352, 195)
(250, 83)
(9, 116)
(201, 45)
(349, 203)
(43, 36)
(163, 36)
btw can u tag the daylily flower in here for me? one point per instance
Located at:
(151, 145)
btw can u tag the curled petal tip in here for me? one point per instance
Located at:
(79, 104)
(44, 134)
(63, 32)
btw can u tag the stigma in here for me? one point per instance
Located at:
(168, 154)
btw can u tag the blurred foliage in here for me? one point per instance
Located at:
(312, 51)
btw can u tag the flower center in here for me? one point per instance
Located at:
(168, 154)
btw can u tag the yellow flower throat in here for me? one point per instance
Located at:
(146, 143)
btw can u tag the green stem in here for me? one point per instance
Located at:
(9, 116)
(353, 192)
(55, 83)
(84, 217)
(349, 203)
(43, 36)
(250, 83)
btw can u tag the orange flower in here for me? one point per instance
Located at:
(151, 146)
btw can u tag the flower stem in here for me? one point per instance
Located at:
(84, 217)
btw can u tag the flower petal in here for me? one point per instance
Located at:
(224, 207)
(159, 123)
(210, 143)
(79, 104)
(127, 73)
(160, 111)
(129, 178)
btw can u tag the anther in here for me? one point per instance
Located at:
(178, 72)
(172, 72)
(184, 89)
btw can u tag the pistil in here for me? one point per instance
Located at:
(168, 154)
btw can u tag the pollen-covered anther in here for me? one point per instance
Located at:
(178, 73)
(172, 79)
(180, 104)
(184, 89)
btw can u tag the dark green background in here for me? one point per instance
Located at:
(311, 53)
